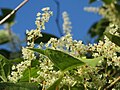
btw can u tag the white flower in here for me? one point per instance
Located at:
(38, 14)
(66, 25)
(46, 9)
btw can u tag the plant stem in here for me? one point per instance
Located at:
(116, 80)
(57, 17)
(29, 68)
(15, 10)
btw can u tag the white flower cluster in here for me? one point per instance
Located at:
(15, 76)
(28, 55)
(91, 9)
(47, 72)
(114, 29)
(66, 23)
(108, 50)
(109, 12)
(42, 18)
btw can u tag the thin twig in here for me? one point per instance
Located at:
(16, 9)
(57, 17)
(116, 80)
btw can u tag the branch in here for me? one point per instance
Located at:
(57, 17)
(15, 10)
(116, 80)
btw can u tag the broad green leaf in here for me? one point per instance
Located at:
(33, 73)
(4, 36)
(5, 12)
(91, 1)
(108, 1)
(45, 38)
(60, 59)
(55, 85)
(113, 38)
(19, 86)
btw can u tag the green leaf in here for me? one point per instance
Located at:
(16, 60)
(33, 73)
(45, 38)
(19, 86)
(98, 28)
(108, 1)
(4, 36)
(91, 1)
(55, 85)
(2, 67)
(113, 38)
(5, 12)
(35, 63)
(92, 62)
(60, 59)
(38, 50)
(5, 53)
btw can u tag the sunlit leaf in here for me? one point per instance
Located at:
(92, 62)
(65, 61)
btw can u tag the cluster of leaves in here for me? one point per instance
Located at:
(98, 28)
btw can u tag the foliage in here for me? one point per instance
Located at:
(64, 63)
(111, 14)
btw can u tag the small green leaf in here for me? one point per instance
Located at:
(4, 36)
(19, 86)
(55, 85)
(45, 38)
(113, 38)
(33, 73)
